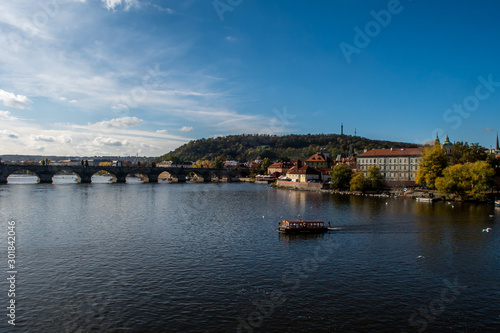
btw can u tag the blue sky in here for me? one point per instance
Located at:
(126, 77)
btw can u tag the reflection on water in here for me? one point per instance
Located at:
(205, 257)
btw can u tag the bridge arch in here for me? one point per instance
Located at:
(103, 176)
(198, 176)
(65, 176)
(137, 173)
(22, 175)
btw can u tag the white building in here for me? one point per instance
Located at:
(396, 165)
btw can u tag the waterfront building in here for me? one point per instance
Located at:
(396, 165)
(304, 174)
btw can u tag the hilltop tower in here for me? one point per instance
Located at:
(341, 128)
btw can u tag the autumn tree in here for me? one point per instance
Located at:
(434, 161)
(218, 163)
(375, 180)
(468, 181)
(358, 182)
(341, 177)
(203, 164)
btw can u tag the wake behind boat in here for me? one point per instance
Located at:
(302, 226)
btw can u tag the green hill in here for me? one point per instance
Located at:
(247, 147)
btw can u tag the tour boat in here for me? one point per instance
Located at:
(302, 226)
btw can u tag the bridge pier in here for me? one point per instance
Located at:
(45, 178)
(152, 178)
(121, 178)
(85, 179)
(3, 180)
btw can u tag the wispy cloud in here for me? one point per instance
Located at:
(186, 129)
(13, 100)
(123, 122)
(125, 4)
(8, 134)
(487, 129)
(44, 138)
(6, 115)
(109, 141)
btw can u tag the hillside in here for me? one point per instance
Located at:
(247, 147)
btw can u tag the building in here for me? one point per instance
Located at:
(279, 168)
(319, 160)
(447, 145)
(304, 174)
(396, 165)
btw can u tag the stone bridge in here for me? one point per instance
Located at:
(150, 174)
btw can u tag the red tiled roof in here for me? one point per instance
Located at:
(303, 170)
(316, 158)
(394, 152)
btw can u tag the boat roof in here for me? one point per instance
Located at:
(304, 221)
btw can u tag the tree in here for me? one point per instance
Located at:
(203, 164)
(375, 179)
(218, 163)
(341, 177)
(358, 182)
(266, 162)
(431, 167)
(468, 181)
(462, 153)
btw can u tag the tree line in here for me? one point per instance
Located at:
(467, 173)
(247, 147)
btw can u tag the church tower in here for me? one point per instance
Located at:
(341, 128)
(497, 148)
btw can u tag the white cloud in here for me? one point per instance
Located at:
(12, 100)
(101, 141)
(119, 106)
(161, 132)
(8, 134)
(73, 101)
(45, 138)
(64, 139)
(186, 129)
(119, 122)
(6, 115)
(126, 4)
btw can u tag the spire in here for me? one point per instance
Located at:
(341, 128)
(497, 148)
(447, 139)
(437, 142)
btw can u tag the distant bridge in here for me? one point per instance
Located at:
(119, 174)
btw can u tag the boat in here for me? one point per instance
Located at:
(497, 203)
(426, 199)
(302, 226)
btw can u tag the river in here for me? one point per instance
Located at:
(207, 258)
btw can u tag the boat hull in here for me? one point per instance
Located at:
(303, 231)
